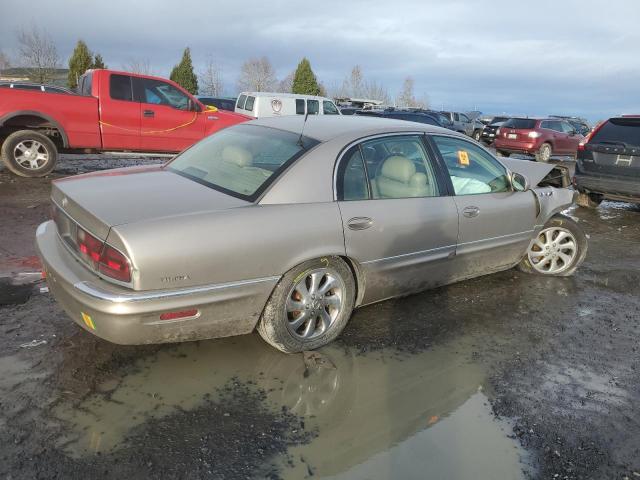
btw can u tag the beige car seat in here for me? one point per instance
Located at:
(236, 171)
(398, 179)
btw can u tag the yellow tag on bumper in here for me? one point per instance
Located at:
(87, 321)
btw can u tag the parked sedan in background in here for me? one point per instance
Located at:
(541, 138)
(227, 103)
(608, 163)
(261, 226)
(488, 134)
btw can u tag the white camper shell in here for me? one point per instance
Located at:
(266, 104)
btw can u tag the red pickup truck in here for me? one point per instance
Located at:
(112, 111)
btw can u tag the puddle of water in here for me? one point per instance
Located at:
(11, 294)
(369, 410)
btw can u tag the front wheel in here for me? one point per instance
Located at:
(476, 135)
(29, 153)
(544, 153)
(557, 250)
(310, 306)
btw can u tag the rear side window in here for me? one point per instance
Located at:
(249, 104)
(120, 88)
(313, 107)
(619, 130)
(329, 108)
(241, 101)
(520, 123)
(299, 106)
(353, 184)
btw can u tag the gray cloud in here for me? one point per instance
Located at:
(500, 56)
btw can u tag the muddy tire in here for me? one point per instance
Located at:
(29, 153)
(500, 153)
(310, 306)
(588, 200)
(544, 153)
(557, 250)
(476, 135)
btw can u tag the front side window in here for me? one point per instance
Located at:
(471, 169)
(249, 104)
(300, 106)
(162, 93)
(329, 108)
(241, 160)
(352, 175)
(464, 118)
(313, 107)
(399, 167)
(120, 88)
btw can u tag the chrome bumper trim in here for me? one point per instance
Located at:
(101, 294)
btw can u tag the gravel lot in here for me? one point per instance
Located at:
(505, 376)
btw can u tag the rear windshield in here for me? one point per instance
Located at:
(242, 160)
(498, 121)
(520, 123)
(621, 130)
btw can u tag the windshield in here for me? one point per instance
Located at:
(242, 160)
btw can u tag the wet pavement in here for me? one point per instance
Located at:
(504, 376)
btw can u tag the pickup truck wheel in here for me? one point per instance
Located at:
(310, 306)
(29, 154)
(500, 153)
(476, 135)
(557, 250)
(544, 153)
(588, 200)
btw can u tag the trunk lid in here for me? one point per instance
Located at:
(614, 148)
(98, 201)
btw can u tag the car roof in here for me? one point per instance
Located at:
(284, 95)
(327, 127)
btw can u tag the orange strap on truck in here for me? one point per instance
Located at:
(151, 132)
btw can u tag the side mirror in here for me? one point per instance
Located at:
(519, 182)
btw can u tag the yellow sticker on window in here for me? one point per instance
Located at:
(463, 157)
(87, 321)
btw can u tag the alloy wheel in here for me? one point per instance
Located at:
(314, 303)
(553, 250)
(31, 154)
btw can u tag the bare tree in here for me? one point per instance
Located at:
(4, 61)
(286, 84)
(210, 80)
(356, 86)
(376, 91)
(257, 75)
(406, 97)
(38, 54)
(138, 65)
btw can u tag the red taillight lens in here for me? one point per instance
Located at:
(180, 314)
(102, 257)
(114, 264)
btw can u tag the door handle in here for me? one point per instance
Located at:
(470, 212)
(359, 223)
(148, 113)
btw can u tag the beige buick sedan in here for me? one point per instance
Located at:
(287, 226)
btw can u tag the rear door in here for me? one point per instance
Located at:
(399, 222)
(119, 113)
(614, 149)
(496, 223)
(169, 122)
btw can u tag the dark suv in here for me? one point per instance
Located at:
(609, 163)
(539, 137)
(411, 116)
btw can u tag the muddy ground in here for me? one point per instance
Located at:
(505, 376)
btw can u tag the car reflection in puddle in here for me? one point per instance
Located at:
(378, 415)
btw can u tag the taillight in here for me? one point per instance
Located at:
(590, 135)
(497, 132)
(103, 257)
(114, 264)
(533, 134)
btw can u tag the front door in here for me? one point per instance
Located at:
(496, 223)
(119, 114)
(399, 224)
(168, 121)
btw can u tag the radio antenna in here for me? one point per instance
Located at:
(306, 115)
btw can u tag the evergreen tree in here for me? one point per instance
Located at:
(98, 62)
(304, 80)
(184, 75)
(79, 63)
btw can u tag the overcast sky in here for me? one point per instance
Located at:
(536, 57)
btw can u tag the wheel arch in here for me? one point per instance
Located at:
(31, 119)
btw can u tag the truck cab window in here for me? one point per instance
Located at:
(313, 107)
(120, 88)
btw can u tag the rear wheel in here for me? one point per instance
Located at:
(29, 153)
(557, 250)
(310, 306)
(588, 200)
(544, 153)
(501, 153)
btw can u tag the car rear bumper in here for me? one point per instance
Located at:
(517, 146)
(124, 316)
(615, 188)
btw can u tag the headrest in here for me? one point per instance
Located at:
(418, 180)
(398, 168)
(237, 155)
